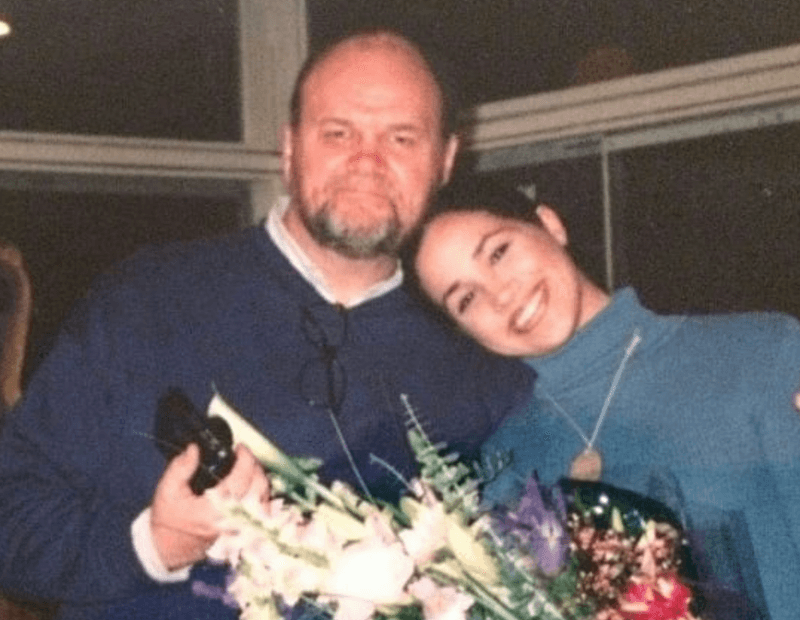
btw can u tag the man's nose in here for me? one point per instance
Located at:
(367, 155)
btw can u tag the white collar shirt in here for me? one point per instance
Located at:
(277, 231)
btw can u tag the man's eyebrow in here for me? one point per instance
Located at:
(407, 126)
(333, 119)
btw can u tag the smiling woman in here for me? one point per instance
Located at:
(505, 278)
(697, 412)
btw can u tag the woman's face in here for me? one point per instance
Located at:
(510, 284)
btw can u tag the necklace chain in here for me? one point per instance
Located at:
(589, 441)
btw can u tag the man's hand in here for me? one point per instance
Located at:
(184, 525)
(797, 401)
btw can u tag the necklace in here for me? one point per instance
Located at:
(588, 464)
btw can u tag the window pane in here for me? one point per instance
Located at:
(511, 48)
(712, 224)
(150, 68)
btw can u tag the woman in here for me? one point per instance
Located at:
(694, 411)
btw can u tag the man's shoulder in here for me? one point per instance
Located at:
(185, 267)
(186, 257)
(175, 282)
(414, 318)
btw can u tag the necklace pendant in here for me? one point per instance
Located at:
(587, 466)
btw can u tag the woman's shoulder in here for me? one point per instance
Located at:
(749, 332)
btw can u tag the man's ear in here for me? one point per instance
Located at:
(552, 224)
(287, 139)
(450, 151)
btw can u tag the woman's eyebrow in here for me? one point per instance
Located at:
(475, 254)
(482, 243)
(450, 290)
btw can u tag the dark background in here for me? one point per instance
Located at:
(169, 68)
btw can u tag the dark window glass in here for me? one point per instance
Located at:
(511, 48)
(150, 68)
(712, 224)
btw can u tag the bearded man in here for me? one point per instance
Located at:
(302, 324)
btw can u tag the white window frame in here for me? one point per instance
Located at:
(272, 47)
(734, 94)
(723, 95)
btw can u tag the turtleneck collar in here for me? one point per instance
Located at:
(605, 336)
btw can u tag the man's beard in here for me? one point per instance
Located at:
(326, 230)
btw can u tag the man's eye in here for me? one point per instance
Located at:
(404, 139)
(498, 252)
(465, 301)
(334, 134)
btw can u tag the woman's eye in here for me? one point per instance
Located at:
(498, 252)
(465, 301)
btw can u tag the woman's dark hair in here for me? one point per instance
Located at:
(465, 193)
(477, 193)
(472, 193)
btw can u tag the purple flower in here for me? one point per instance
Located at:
(540, 526)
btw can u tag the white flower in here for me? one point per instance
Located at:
(429, 525)
(440, 602)
(433, 529)
(369, 573)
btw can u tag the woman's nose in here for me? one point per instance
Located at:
(505, 292)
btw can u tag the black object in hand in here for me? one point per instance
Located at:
(178, 423)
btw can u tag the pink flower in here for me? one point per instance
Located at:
(440, 602)
(428, 534)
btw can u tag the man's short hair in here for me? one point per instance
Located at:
(448, 94)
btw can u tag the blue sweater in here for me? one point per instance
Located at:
(77, 461)
(702, 419)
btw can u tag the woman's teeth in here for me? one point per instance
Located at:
(529, 310)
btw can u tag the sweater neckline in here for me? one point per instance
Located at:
(588, 353)
(285, 273)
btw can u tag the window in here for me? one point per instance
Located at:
(149, 68)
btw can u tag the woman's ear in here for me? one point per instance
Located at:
(552, 224)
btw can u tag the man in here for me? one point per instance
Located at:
(303, 327)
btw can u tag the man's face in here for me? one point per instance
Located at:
(368, 150)
(509, 284)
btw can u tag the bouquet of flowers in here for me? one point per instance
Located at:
(564, 553)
